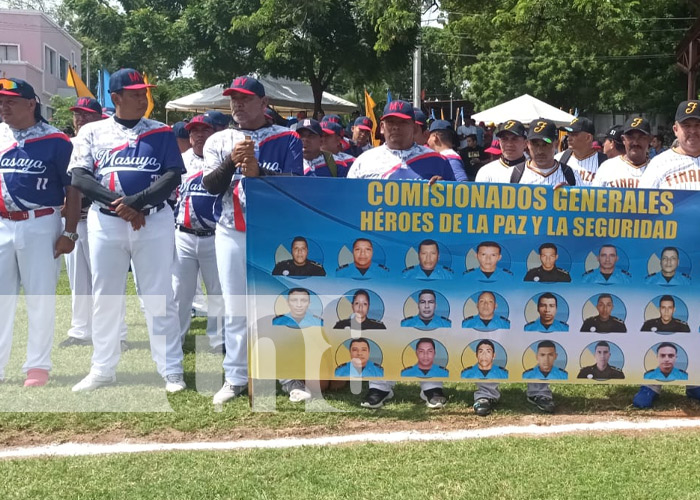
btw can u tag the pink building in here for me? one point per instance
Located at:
(34, 48)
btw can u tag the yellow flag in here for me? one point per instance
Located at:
(149, 110)
(369, 113)
(442, 114)
(73, 80)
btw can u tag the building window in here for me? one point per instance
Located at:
(50, 60)
(9, 53)
(63, 68)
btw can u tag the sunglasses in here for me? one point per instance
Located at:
(7, 84)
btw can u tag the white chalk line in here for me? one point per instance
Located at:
(90, 449)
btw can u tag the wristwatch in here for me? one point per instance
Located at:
(71, 236)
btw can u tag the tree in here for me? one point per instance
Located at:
(62, 117)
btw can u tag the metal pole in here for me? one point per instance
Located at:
(87, 63)
(451, 113)
(416, 77)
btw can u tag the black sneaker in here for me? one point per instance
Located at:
(483, 407)
(543, 403)
(376, 398)
(434, 398)
(73, 341)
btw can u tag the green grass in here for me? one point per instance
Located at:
(650, 466)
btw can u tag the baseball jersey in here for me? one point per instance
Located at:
(674, 374)
(496, 171)
(456, 164)
(434, 371)
(195, 205)
(126, 160)
(619, 172)
(554, 374)
(343, 161)
(416, 162)
(672, 170)
(550, 177)
(586, 168)
(33, 165)
(476, 372)
(278, 149)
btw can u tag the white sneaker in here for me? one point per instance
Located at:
(93, 381)
(175, 382)
(227, 392)
(297, 391)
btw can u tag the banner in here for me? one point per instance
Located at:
(401, 280)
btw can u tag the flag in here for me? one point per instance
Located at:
(369, 113)
(461, 115)
(432, 113)
(73, 80)
(442, 114)
(103, 89)
(455, 123)
(149, 95)
(388, 96)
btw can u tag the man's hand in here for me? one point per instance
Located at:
(124, 211)
(138, 222)
(243, 156)
(63, 245)
(434, 179)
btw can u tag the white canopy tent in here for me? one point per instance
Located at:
(524, 109)
(284, 95)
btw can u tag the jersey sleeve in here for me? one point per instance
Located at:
(448, 174)
(294, 162)
(81, 156)
(650, 178)
(172, 158)
(458, 170)
(214, 154)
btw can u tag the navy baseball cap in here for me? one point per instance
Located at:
(87, 104)
(127, 79)
(180, 130)
(333, 119)
(511, 127)
(331, 128)
(581, 124)
(688, 109)
(614, 133)
(311, 125)
(439, 125)
(16, 87)
(399, 109)
(218, 119)
(246, 85)
(543, 129)
(364, 123)
(637, 123)
(199, 120)
(420, 117)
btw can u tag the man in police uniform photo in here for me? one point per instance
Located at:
(601, 370)
(548, 272)
(362, 267)
(358, 320)
(298, 316)
(545, 369)
(547, 305)
(488, 253)
(426, 367)
(429, 267)
(607, 272)
(604, 322)
(299, 264)
(426, 318)
(484, 367)
(359, 364)
(486, 320)
(668, 275)
(666, 322)
(667, 355)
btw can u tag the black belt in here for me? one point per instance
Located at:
(149, 211)
(197, 232)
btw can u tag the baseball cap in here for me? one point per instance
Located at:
(637, 123)
(127, 79)
(218, 119)
(581, 124)
(495, 148)
(688, 109)
(246, 85)
(332, 128)
(364, 123)
(614, 133)
(399, 109)
(439, 125)
(180, 130)
(420, 117)
(311, 125)
(333, 119)
(199, 120)
(543, 129)
(16, 87)
(87, 104)
(513, 127)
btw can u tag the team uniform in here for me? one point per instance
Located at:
(656, 325)
(593, 372)
(343, 162)
(33, 177)
(495, 323)
(537, 326)
(279, 150)
(586, 168)
(195, 251)
(551, 177)
(288, 320)
(351, 271)
(417, 322)
(290, 268)
(367, 324)
(660, 279)
(434, 371)
(554, 374)
(126, 161)
(542, 275)
(618, 276)
(498, 170)
(674, 374)
(349, 370)
(499, 274)
(618, 172)
(496, 372)
(456, 164)
(610, 325)
(418, 273)
(414, 163)
(672, 170)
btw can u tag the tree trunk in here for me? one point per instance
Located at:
(317, 90)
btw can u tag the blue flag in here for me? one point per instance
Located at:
(388, 96)
(103, 90)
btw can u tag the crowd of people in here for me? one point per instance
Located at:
(169, 204)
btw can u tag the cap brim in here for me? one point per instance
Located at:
(364, 127)
(192, 125)
(298, 129)
(9, 92)
(400, 115)
(139, 86)
(545, 139)
(80, 108)
(230, 91)
(493, 151)
(502, 132)
(328, 131)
